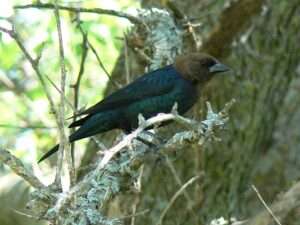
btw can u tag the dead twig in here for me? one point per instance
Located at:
(63, 142)
(175, 196)
(34, 64)
(126, 54)
(76, 86)
(180, 183)
(117, 85)
(265, 204)
(110, 12)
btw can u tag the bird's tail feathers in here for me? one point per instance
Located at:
(79, 122)
(49, 153)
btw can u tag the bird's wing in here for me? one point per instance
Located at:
(152, 84)
(158, 82)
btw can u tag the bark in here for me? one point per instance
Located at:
(246, 38)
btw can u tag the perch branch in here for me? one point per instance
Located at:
(99, 185)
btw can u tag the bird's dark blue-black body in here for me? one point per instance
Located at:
(153, 93)
(150, 94)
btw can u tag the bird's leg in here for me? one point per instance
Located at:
(154, 136)
(154, 148)
(150, 143)
(146, 142)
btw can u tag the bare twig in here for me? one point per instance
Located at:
(102, 65)
(76, 86)
(265, 205)
(34, 63)
(138, 185)
(18, 167)
(281, 208)
(89, 44)
(187, 23)
(24, 214)
(5, 30)
(32, 127)
(116, 84)
(110, 12)
(63, 142)
(175, 196)
(60, 92)
(136, 214)
(126, 54)
(179, 182)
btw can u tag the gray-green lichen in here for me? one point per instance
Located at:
(84, 203)
(164, 39)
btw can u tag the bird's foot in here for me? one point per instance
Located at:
(154, 136)
(146, 142)
(151, 143)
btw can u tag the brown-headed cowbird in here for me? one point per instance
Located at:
(152, 93)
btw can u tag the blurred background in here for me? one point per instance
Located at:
(262, 139)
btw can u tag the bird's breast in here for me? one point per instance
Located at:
(186, 96)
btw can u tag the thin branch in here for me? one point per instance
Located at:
(179, 182)
(85, 44)
(60, 92)
(117, 85)
(265, 205)
(34, 64)
(287, 202)
(126, 55)
(89, 44)
(175, 196)
(187, 23)
(24, 214)
(18, 167)
(110, 12)
(63, 143)
(136, 214)
(31, 127)
(9, 32)
(137, 198)
(76, 86)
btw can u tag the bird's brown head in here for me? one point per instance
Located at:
(198, 67)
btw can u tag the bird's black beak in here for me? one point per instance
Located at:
(218, 68)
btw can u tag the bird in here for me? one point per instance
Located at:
(152, 93)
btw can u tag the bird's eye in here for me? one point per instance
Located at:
(209, 62)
